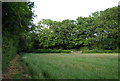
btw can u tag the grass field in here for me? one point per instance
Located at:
(72, 66)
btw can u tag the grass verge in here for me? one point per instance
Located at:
(23, 71)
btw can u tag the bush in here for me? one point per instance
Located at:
(48, 51)
(10, 48)
(99, 51)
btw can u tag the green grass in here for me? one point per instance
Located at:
(22, 70)
(72, 66)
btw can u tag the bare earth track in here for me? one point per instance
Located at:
(13, 70)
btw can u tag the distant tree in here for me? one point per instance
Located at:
(107, 28)
(98, 31)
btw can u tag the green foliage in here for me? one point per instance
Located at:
(16, 19)
(48, 51)
(9, 46)
(46, 38)
(72, 66)
(99, 51)
(107, 28)
(23, 70)
(98, 31)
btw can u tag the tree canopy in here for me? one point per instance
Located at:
(98, 31)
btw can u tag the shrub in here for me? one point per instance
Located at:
(48, 51)
(99, 51)
(10, 48)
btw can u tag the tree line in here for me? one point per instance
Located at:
(98, 31)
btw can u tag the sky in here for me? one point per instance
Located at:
(59, 10)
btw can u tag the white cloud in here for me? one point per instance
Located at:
(69, 9)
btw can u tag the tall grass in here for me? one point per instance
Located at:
(72, 66)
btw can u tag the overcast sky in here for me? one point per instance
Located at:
(59, 10)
